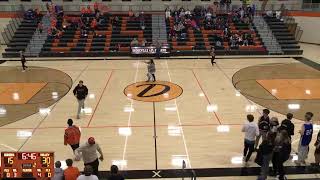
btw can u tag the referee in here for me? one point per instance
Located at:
(80, 92)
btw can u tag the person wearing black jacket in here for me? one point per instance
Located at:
(264, 155)
(80, 92)
(23, 61)
(114, 173)
(288, 125)
(264, 126)
(281, 153)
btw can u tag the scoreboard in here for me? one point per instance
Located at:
(27, 165)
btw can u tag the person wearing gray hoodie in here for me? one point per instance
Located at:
(58, 171)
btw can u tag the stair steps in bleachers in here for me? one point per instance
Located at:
(21, 38)
(269, 40)
(38, 39)
(286, 39)
(159, 30)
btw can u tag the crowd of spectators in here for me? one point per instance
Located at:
(217, 16)
(90, 19)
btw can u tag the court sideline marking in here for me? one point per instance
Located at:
(205, 95)
(179, 119)
(96, 107)
(45, 117)
(129, 118)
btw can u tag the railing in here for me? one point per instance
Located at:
(9, 30)
(292, 25)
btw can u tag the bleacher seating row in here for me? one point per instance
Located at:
(113, 39)
(204, 39)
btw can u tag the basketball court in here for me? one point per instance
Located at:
(192, 113)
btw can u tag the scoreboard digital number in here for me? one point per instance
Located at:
(27, 165)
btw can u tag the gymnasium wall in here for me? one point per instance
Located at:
(310, 27)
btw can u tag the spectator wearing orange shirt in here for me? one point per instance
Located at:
(72, 135)
(93, 24)
(96, 8)
(71, 173)
(83, 10)
(88, 10)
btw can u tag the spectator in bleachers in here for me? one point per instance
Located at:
(130, 13)
(93, 25)
(89, 154)
(134, 42)
(116, 21)
(88, 10)
(143, 42)
(114, 173)
(88, 174)
(245, 38)
(172, 33)
(83, 11)
(72, 135)
(142, 20)
(71, 173)
(58, 171)
(228, 4)
(65, 24)
(168, 13)
(233, 42)
(40, 27)
(96, 8)
(218, 44)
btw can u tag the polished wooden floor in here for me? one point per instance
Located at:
(202, 126)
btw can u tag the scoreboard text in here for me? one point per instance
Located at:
(27, 164)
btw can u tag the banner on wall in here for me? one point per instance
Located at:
(149, 50)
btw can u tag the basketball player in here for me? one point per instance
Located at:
(23, 61)
(151, 70)
(72, 135)
(213, 56)
(80, 92)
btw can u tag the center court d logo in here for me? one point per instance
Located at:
(153, 91)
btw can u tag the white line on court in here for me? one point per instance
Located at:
(130, 113)
(8, 147)
(180, 124)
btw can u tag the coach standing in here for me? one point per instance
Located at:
(89, 154)
(80, 92)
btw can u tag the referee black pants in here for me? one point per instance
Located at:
(95, 166)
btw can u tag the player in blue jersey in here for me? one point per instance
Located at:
(305, 139)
